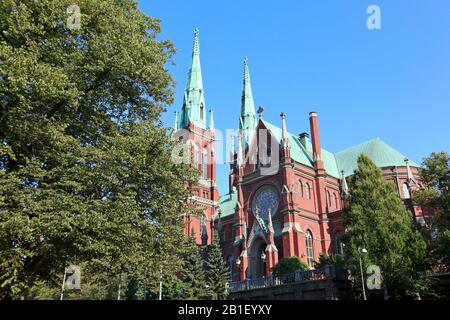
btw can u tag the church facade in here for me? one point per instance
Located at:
(286, 192)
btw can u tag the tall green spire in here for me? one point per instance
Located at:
(194, 109)
(247, 120)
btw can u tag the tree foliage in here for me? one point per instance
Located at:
(193, 275)
(85, 170)
(435, 173)
(216, 272)
(333, 259)
(288, 265)
(376, 219)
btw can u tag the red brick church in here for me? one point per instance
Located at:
(286, 191)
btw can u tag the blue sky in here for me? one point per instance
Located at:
(310, 55)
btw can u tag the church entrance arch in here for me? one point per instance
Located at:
(257, 266)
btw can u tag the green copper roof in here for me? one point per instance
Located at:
(247, 119)
(382, 154)
(227, 203)
(194, 109)
(302, 154)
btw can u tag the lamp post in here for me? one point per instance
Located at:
(263, 258)
(160, 284)
(363, 250)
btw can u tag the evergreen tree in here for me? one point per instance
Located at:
(217, 272)
(377, 221)
(132, 289)
(193, 275)
(85, 165)
(435, 173)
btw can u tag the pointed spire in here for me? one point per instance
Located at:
(194, 100)
(247, 120)
(219, 223)
(284, 132)
(195, 72)
(211, 120)
(269, 222)
(344, 186)
(411, 181)
(175, 123)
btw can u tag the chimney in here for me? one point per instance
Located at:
(317, 151)
(304, 139)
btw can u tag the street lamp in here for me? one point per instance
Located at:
(263, 256)
(363, 250)
(238, 262)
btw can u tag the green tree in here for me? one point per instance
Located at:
(288, 265)
(333, 259)
(193, 275)
(377, 220)
(217, 272)
(85, 165)
(435, 173)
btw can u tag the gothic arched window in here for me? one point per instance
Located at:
(204, 166)
(339, 245)
(308, 191)
(406, 193)
(335, 201)
(309, 249)
(196, 157)
(300, 188)
(328, 199)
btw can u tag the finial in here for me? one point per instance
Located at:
(284, 133)
(196, 49)
(260, 112)
(211, 120)
(175, 124)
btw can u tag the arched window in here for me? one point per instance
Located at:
(204, 166)
(335, 201)
(196, 157)
(328, 199)
(309, 249)
(203, 229)
(230, 261)
(300, 188)
(339, 245)
(406, 191)
(308, 191)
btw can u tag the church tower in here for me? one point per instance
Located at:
(247, 119)
(199, 134)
